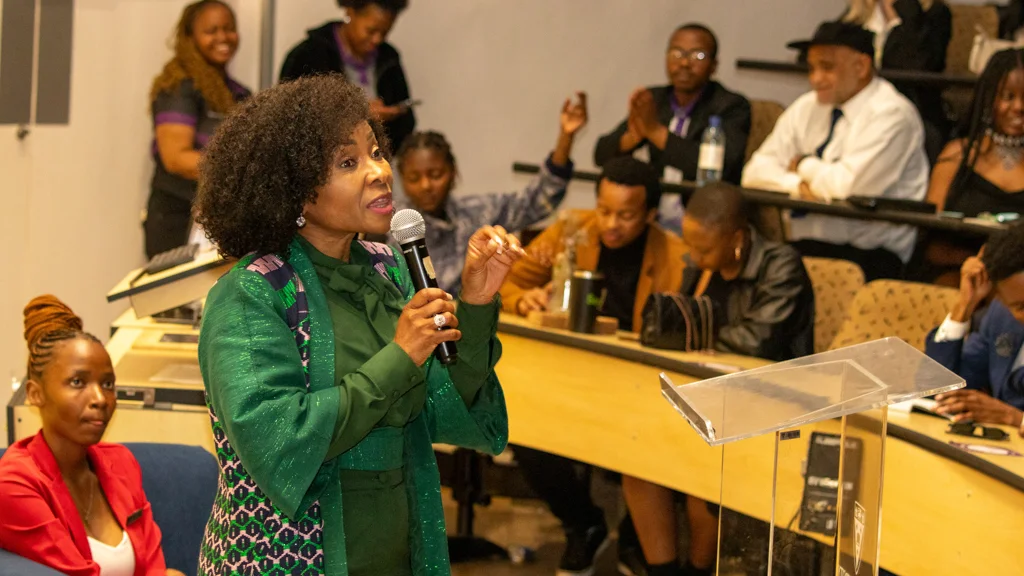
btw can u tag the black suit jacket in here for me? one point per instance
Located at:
(1011, 18)
(318, 54)
(920, 43)
(681, 152)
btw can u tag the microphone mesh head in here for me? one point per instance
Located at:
(408, 225)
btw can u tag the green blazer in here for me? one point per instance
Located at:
(266, 352)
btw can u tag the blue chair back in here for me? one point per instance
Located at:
(180, 482)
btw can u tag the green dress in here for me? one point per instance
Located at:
(358, 440)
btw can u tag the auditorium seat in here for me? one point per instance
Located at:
(763, 116)
(180, 482)
(835, 284)
(906, 310)
(967, 20)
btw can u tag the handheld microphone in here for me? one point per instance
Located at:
(409, 229)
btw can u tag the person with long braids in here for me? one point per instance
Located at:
(317, 353)
(984, 170)
(69, 501)
(189, 98)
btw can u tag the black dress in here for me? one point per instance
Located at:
(972, 194)
(975, 195)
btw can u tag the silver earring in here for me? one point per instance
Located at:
(300, 221)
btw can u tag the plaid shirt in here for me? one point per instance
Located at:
(448, 238)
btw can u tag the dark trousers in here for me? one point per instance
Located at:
(876, 264)
(168, 222)
(563, 484)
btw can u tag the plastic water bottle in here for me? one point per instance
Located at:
(711, 159)
(561, 277)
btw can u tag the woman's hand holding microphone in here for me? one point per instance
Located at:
(491, 253)
(419, 326)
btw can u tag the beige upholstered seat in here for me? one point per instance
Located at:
(906, 310)
(763, 116)
(835, 284)
(967, 18)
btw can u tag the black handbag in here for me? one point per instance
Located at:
(678, 322)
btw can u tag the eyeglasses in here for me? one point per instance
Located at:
(694, 56)
(968, 428)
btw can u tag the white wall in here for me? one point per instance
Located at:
(72, 195)
(492, 73)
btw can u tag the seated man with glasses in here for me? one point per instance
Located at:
(991, 359)
(666, 123)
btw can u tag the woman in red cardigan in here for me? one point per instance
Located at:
(68, 501)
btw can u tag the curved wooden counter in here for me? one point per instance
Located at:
(598, 400)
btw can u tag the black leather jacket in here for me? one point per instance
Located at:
(768, 310)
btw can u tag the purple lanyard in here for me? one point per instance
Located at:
(363, 68)
(682, 113)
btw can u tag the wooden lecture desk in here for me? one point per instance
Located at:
(597, 399)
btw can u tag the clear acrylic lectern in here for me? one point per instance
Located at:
(803, 451)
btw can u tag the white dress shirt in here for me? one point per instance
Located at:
(877, 149)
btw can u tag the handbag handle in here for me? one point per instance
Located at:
(687, 320)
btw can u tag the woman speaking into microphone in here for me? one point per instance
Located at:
(317, 355)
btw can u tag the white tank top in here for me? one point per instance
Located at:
(114, 560)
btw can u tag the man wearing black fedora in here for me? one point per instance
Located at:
(852, 134)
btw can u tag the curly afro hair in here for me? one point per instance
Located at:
(267, 159)
(393, 6)
(1004, 254)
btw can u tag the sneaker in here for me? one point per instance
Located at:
(582, 547)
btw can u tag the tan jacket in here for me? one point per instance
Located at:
(661, 271)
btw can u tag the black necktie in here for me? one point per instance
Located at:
(836, 115)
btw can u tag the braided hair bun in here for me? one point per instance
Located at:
(48, 314)
(48, 321)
